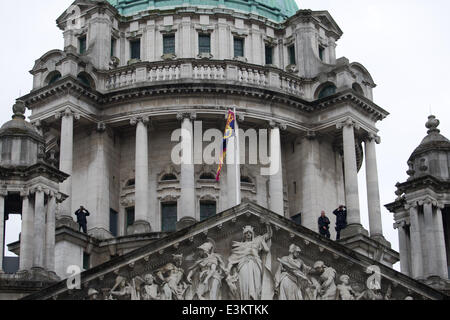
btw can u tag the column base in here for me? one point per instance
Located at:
(371, 248)
(139, 227)
(185, 222)
(100, 233)
(67, 221)
(353, 230)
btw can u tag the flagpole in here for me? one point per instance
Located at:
(237, 159)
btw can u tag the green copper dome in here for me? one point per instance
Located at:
(276, 10)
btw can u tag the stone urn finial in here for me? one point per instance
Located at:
(432, 124)
(19, 110)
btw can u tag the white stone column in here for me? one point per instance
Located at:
(441, 259)
(39, 229)
(276, 187)
(187, 210)
(430, 244)
(141, 224)
(403, 246)
(351, 179)
(373, 191)
(98, 200)
(50, 233)
(233, 170)
(66, 160)
(26, 237)
(3, 195)
(416, 244)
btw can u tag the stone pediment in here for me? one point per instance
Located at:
(246, 252)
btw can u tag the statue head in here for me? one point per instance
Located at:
(248, 233)
(93, 294)
(344, 279)
(294, 250)
(319, 266)
(178, 259)
(206, 248)
(149, 279)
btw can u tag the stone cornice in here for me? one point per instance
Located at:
(39, 169)
(427, 181)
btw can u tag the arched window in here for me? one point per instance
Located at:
(169, 177)
(86, 79)
(245, 179)
(53, 77)
(357, 88)
(327, 91)
(208, 209)
(207, 176)
(130, 183)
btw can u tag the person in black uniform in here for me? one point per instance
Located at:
(81, 214)
(324, 225)
(341, 220)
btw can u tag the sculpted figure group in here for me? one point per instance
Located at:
(247, 276)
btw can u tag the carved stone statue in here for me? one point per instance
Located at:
(122, 290)
(208, 273)
(150, 290)
(172, 276)
(249, 266)
(291, 279)
(325, 286)
(344, 290)
(93, 294)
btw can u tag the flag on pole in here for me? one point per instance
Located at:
(229, 133)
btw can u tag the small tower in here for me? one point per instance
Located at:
(29, 185)
(422, 210)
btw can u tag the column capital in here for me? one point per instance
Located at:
(402, 223)
(143, 119)
(311, 135)
(372, 137)
(68, 112)
(410, 205)
(24, 193)
(277, 125)
(349, 122)
(186, 115)
(3, 193)
(100, 127)
(427, 201)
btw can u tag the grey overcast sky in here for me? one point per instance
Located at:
(403, 43)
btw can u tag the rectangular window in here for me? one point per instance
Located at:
(295, 187)
(321, 52)
(169, 44)
(238, 47)
(130, 216)
(269, 55)
(204, 43)
(135, 47)
(208, 209)
(169, 216)
(113, 47)
(292, 59)
(82, 44)
(86, 261)
(113, 222)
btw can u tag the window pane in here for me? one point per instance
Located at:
(135, 46)
(207, 210)
(82, 44)
(113, 47)
(204, 43)
(327, 91)
(269, 55)
(168, 217)
(169, 44)
(86, 261)
(292, 55)
(130, 216)
(321, 53)
(113, 222)
(238, 47)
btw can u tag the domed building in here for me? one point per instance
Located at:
(133, 110)
(421, 210)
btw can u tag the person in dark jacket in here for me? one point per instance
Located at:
(341, 220)
(324, 225)
(81, 214)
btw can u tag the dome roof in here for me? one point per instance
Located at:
(276, 10)
(434, 141)
(18, 126)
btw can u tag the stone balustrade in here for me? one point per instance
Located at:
(148, 73)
